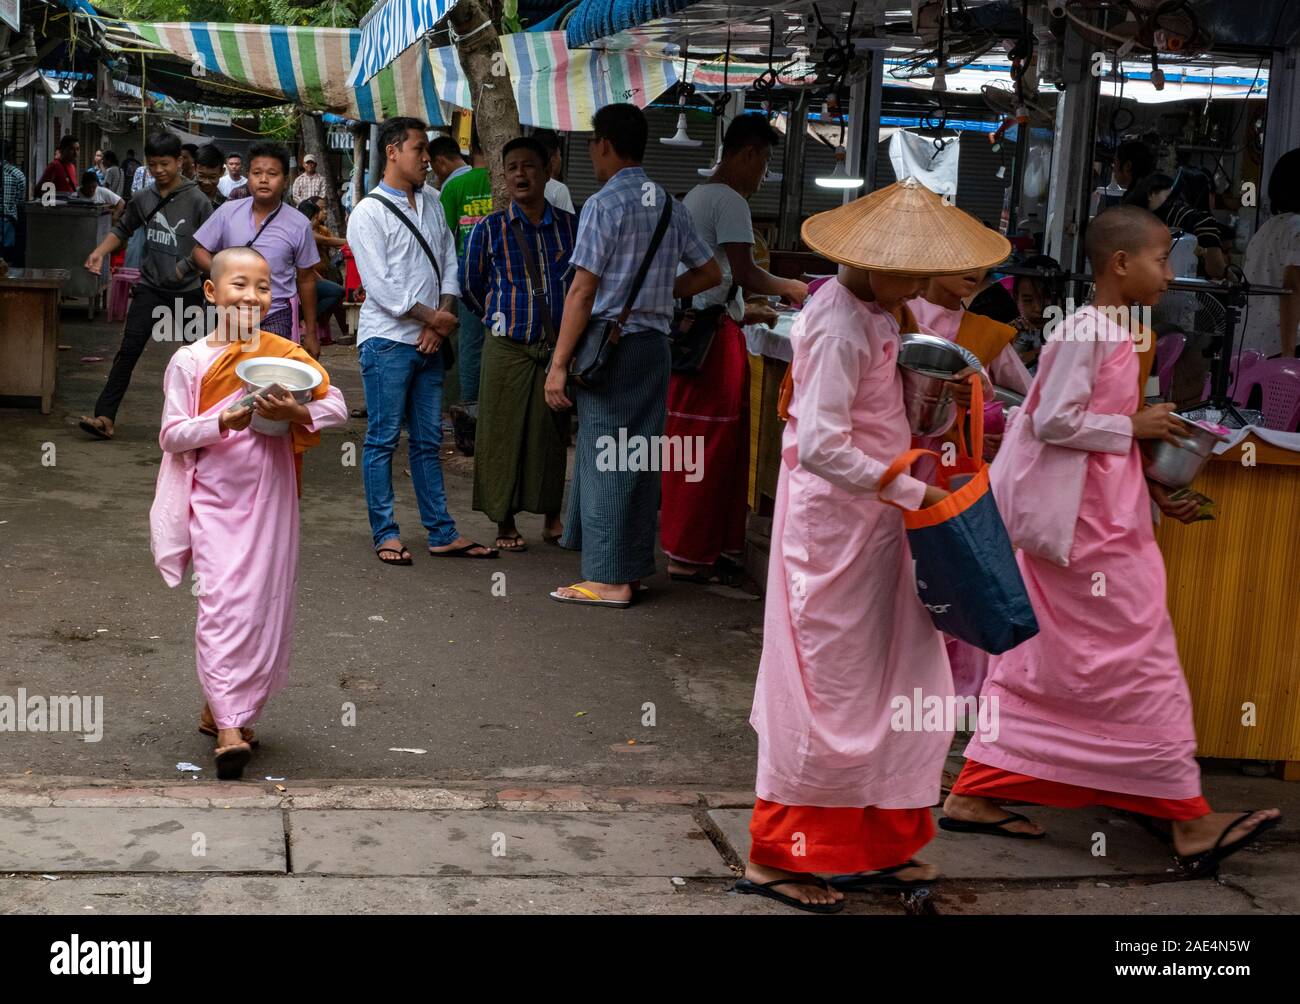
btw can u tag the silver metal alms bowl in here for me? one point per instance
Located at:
(261, 372)
(1177, 466)
(928, 362)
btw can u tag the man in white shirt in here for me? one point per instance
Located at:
(234, 175)
(100, 195)
(557, 192)
(408, 313)
(310, 184)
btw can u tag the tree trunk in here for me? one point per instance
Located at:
(358, 180)
(313, 142)
(495, 113)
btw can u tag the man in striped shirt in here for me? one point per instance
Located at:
(520, 443)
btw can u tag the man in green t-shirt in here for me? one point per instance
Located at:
(466, 199)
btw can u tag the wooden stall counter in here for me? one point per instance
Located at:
(1234, 596)
(29, 333)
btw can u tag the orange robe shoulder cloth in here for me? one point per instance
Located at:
(845, 636)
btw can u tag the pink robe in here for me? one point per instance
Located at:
(229, 500)
(969, 664)
(844, 632)
(1097, 698)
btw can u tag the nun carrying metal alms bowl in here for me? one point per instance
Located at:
(840, 791)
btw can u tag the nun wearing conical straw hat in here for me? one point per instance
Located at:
(845, 778)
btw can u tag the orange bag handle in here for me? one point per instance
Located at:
(900, 464)
(976, 420)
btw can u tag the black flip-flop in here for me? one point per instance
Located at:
(94, 430)
(231, 763)
(403, 555)
(464, 552)
(698, 578)
(1206, 863)
(749, 888)
(522, 545)
(883, 878)
(993, 829)
(552, 539)
(359, 413)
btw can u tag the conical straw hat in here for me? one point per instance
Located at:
(905, 229)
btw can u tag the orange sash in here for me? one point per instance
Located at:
(220, 381)
(983, 336)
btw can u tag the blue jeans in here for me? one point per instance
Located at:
(403, 384)
(469, 349)
(328, 296)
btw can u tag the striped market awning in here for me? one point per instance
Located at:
(560, 88)
(390, 31)
(303, 66)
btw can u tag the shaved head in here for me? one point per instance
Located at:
(223, 260)
(1123, 228)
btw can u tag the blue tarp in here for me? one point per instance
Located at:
(593, 19)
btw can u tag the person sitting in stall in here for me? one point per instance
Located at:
(1273, 259)
(100, 195)
(329, 292)
(1094, 709)
(227, 501)
(1154, 192)
(839, 790)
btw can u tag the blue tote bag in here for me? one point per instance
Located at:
(966, 571)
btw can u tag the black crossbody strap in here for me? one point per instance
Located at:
(162, 201)
(406, 222)
(536, 281)
(639, 279)
(265, 223)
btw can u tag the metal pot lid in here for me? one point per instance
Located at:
(930, 352)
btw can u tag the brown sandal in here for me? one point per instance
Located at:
(208, 727)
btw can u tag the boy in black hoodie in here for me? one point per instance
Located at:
(169, 290)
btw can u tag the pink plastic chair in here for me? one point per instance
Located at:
(119, 292)
(1169, 350)
(1280, 380)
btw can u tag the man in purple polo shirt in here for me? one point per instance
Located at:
(280, 233)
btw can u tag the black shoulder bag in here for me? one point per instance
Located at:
(538, 285)
(594, 357)
(445, 351)
(691, 335)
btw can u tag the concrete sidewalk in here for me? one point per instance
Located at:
(78, 846)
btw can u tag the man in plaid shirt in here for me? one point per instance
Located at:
(612, 507)
(520, 443)
(13, 189)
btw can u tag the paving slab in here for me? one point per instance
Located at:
(1067, 852)
(1269, 874)
(408, 896)
(1093, 897)
(501, 842)
(54, 840)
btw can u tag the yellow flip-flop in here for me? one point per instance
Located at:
(593, 599)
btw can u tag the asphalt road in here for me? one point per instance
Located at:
(512, 686)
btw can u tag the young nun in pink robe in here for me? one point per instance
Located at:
(845, 634)
(1094, 709)
(227, 499)
(939, 310)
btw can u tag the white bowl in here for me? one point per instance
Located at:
(262, 371)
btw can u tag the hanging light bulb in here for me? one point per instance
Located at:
(681, 137)
(705, 172)
(839, 178)
(14, 102)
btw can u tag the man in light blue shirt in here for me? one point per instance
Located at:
(612, 506)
